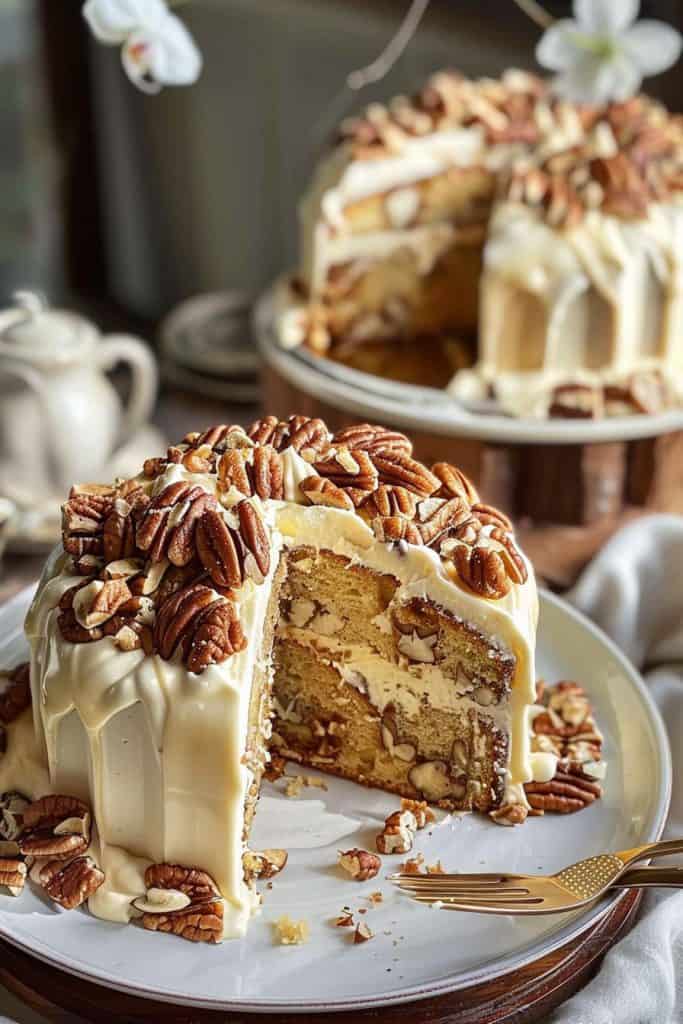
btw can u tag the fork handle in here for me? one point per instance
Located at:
(664, 848)
(647, 878)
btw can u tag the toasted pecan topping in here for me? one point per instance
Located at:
(168, 524)
(322, 491)
(373, 439)
(204, 624)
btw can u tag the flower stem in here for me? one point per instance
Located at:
(392, 51)
(535, 12)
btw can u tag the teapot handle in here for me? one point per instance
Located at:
(124, 348)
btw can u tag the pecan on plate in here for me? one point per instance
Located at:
(360, 864)
(200, 920)
(373, 439)
(348, 469)
(454, 483)
(12, 807)
(263, 864)
(12, 875)
(168, 524)
(321, 491)
(576, 401)
(70, 885)
(206, 627)
(566, 793)
(15, 692)
(399, 468)
(83, 517)
(56, 827)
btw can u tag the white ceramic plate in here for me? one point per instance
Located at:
(433, 410)
(417, 952)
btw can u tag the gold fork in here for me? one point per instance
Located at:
(570, 888)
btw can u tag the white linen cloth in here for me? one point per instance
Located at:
(634, 590)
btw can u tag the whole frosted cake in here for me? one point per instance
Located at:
(555, 230)
(272, 590)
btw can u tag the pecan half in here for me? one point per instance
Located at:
(482, 569)
(55, 827)
(83, 517)
(168, 524)
(119, 527)
(454, 483)
(348, 469)
(12, 875)
(257, 559)
(233, 471)
(268, 473)
(202, 920)
(436, 515)
(399, 468)
(98, 601)
(490, 516)
(220, 549)
(73, 883)
(391, 529)
(373, 439)
(207, 627)
(321, 491)
(15, 693)
(390, 500)
(566, 793)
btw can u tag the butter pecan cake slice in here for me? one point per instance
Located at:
(279, 592)
(492, 221)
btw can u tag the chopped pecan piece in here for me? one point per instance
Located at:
(360, 864)
(322, 491)
(12, 807)
(98, 601)
(206, 627)
(509, 814)
(168, 524)
(398, 832)
(73, 883)
(363, 933)
(373, 439)
(202, 920)
(15, 693)
(264, 863)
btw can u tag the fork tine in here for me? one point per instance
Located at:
(487, 891)
(468, 903)
(497, 877)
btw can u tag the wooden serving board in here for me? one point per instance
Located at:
(522, 997)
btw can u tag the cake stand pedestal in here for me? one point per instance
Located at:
(523, 997)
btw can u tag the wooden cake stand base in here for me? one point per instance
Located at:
(522, 997)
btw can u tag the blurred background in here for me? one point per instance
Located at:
(133, 202)
(121, 205)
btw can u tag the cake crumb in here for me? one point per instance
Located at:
(412, 866)
(289, 932)
(436, 869)
(376, 897)
(295, 783)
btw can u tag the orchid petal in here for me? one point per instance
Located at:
(605, 17)
(652, 45)
(111, 21)
(556, 49)
(174, 58)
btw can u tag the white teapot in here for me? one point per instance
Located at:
(60, 418)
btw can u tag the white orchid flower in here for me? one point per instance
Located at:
(156, 48)
(603, 54)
